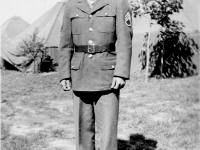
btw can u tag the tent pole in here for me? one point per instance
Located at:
(148, 52)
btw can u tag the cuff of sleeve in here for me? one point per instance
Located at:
(64, 75)
(124, 78)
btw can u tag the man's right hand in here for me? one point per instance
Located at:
(66, 84)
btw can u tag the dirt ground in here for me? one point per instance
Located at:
(37, 115)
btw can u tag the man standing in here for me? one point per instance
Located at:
(95, 58)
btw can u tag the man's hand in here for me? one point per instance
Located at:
(66, 84)
(118, 83)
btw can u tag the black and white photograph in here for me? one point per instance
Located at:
(100, 74)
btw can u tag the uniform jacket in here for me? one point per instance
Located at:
(108, 22)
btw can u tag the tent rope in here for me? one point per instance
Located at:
(189, 18)
(191, 7)
(190, 21)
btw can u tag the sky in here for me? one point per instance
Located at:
(29, 10)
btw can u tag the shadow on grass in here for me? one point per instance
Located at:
(137, 142)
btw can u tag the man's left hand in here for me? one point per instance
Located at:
(118, 83)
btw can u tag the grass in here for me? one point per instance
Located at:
(37, 115)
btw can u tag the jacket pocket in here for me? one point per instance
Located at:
(77, 19)
(108, 65)
(106, 21)
(76, 61)
(107, 70)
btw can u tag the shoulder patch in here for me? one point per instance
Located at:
(128, 19)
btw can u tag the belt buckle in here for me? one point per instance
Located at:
(91, 48)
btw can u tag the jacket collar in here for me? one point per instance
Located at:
(83, 5)
(99, 4)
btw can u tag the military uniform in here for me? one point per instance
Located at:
(95, 46)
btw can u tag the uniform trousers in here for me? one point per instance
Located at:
(96, 119)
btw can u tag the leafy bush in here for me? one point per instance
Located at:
(34, 49)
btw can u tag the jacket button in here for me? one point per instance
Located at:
(113, 66)
(90, 42)
(90, 16)
(90, 29)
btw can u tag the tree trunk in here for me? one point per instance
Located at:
(148, 52)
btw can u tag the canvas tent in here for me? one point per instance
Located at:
(11, 28)
(189, 15)
(49, 26)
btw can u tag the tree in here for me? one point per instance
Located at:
(33, 48)
(171, 33)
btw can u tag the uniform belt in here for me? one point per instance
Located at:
(92, 49)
